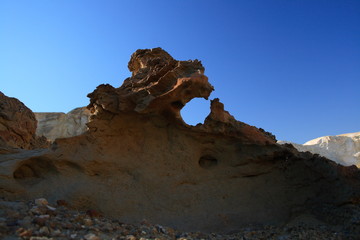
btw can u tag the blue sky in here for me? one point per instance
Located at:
(290, 67)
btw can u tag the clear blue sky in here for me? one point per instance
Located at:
(291, 67)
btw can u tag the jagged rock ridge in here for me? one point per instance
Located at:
(139, 160)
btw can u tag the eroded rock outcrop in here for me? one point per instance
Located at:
(159, 85)
(343, 149)
(54, 125)
(139, 160)
(17, 125)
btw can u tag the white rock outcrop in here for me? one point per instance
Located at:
(343, 149)
(54, 125)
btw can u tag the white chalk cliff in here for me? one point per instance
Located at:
(343, 149)
(54, 125)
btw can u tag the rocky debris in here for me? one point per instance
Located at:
(19, 220)
(60, 125)
(139, 160)
(17, 125)
(343, 149)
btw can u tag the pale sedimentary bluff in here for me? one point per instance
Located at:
(54, 125)
(139, 160)
(343, 149)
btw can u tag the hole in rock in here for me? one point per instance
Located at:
(208, 161)
(177, 104)
(34, 168)
(195, 111)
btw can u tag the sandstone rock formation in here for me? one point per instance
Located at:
(17, 125)
(54, 125)
(343, 149)
(159, 85)
(139, 160)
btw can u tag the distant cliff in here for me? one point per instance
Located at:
(54, 125)
(343, 149)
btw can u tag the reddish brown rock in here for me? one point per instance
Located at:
(139, 160)
(159, 85)
(221, 122)
(18, 125)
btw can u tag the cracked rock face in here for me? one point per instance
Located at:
(139, 160)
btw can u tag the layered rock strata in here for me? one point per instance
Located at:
(139, 160)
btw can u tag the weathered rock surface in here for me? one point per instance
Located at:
(139, 160)
(17, 125)
(343, 149)
(54, 125)
(159, 85)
